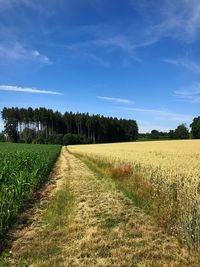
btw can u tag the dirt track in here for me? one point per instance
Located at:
(104, 228)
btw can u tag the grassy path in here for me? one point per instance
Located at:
(99, 226)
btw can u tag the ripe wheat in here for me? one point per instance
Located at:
(173, 168)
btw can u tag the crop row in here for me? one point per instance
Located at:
(23, 169)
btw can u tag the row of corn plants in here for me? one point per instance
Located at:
(23, 169)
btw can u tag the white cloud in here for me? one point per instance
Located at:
(119, 41)
(106, 45)
(98, 60)
(27, 90)
(7, 4)
(46, 8)
(190, 94)
(115, 99)
(42, 58)
(185, 63)
(178, 19)
(17, 51)
(181, 20)
(156, 113)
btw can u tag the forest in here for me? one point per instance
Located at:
(43, 125)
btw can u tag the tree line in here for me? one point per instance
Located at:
(181, 132)
(43, 125)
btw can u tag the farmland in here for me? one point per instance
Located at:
(23, 169)
(105, 206)
(164, 176)
(88, 222)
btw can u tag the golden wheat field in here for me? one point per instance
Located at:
(173, 168)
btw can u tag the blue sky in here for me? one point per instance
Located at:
(136, 59)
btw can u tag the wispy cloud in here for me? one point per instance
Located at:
(178, 19)
(190, 94)
(104, 46)
(27, 90)
(96, 59)
(118, 41)
(38, 56)
(185, 63)
(16, 51)
(161, 114)
(181, 20)
(115, 100)
(46, 6)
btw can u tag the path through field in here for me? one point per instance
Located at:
(104, 227)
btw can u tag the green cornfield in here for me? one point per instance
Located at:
(23, 169)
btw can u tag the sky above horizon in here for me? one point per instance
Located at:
(135, 59)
